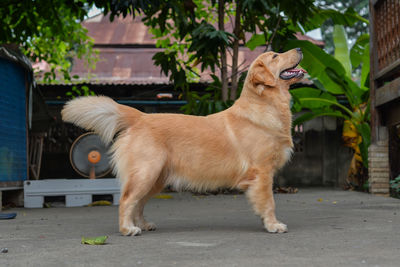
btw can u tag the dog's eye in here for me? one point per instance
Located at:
(274, 56)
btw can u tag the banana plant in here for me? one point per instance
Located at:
(336, 78)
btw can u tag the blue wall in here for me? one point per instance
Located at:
(13, 161)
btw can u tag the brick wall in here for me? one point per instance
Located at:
(379, 171)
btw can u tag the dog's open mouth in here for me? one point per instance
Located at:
(292, 73)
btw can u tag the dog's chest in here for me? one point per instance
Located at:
(282, 153)
(281, 156)
(287, 153)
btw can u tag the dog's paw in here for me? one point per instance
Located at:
(131, 230)
(148, 226)
(276, 227)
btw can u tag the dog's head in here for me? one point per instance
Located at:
(274, 70)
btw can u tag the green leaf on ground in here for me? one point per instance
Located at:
(100, 240)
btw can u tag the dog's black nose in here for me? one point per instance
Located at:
(298, 49)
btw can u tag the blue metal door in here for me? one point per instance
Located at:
(13, 155)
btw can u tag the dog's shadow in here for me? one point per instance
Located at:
(211, 228)
(250, 226)
(204, 226)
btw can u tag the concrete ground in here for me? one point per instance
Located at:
(326, 228)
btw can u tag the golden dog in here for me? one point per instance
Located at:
(241, 147)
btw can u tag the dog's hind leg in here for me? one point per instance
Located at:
(261, 196)
(137, 187)
(138, 217)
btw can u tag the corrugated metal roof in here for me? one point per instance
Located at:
(302, 37)
(122, 65)
(121, 31)
(133, 31)
(126, 49)
(135, 65)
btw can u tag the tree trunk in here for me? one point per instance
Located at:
(235, 59)
(224, 68)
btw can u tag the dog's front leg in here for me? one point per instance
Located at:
(131, 205)
(261, 196)
(126, 208)
(138, 218)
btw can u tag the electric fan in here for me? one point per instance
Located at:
(89, 157)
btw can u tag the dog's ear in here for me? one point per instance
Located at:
(261, 75)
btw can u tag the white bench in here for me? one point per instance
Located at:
(77, 192)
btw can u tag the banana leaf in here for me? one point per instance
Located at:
(342, 53)
(357, 50)
(365, 131)
(364, 82)
(308, 92)
(354, 94)
(348, 18)
(317, 113)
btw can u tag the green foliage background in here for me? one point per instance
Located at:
(49, 31)
(195, 38)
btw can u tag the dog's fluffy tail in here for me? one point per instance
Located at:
(100, 114)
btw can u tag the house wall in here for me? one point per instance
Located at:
(320, 158)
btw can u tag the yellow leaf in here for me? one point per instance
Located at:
(349, 130)
(100, 203)
(358, 157)
(320, 200)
